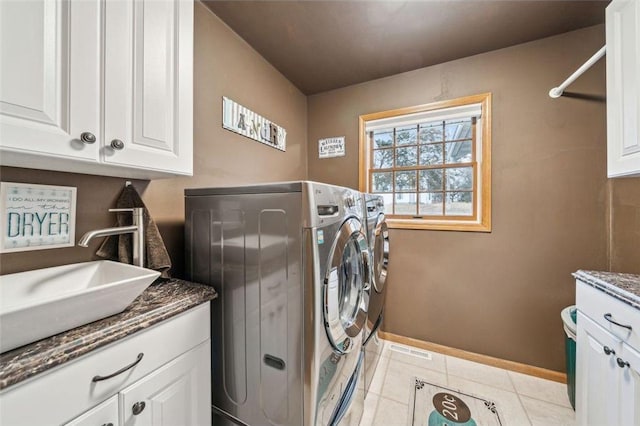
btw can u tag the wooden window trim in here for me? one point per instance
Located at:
(451, 223)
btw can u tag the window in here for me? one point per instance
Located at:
(431, 164)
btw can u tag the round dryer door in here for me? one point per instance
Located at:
(345, 286)
(380, 254)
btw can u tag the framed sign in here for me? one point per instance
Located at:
(36, 217)
(331, 147)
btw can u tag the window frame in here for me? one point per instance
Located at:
(480, 221)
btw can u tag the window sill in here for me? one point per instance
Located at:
(436, 225)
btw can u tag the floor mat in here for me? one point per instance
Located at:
(435, 405)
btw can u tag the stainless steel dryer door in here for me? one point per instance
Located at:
(346, 285)
(380, 254)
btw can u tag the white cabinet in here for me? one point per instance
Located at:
(623, 88)
(50, 77)
(176, 394)
(105, 414)
(608, 361)
(630, 386)
(597, 375)
(119, 72)
(170, 384)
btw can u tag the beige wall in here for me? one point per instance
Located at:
(224, 66)
(498, 293)
(625, 225)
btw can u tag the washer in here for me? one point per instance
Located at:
(290, 262)
(378, 238)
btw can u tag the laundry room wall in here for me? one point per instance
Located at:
(225, 65)
(624, 240)
(499, 293)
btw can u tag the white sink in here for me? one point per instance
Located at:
(40, 303)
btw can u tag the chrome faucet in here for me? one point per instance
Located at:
(137, 229)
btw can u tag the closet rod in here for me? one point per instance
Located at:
(556, 92)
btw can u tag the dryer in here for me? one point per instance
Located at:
(378, 239)
(290, 262)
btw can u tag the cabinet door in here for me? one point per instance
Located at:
(597, 375)
(105, 414)
(148, 84)
(630, 387)
(49, 78)
(623, 93)
(178, 393)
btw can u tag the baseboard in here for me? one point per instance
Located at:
(543, 373)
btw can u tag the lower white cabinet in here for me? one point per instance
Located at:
(608, 365)
(163, 378)
(105, 414)
(176, 394)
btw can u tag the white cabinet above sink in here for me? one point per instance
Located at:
(97, 87)
(40, 303)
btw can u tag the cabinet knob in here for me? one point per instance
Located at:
(88, 137)
(117, 144)
(138, 407)
(107, 424)
(622, 363)
(609, 351)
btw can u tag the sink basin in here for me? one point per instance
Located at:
(40, 303)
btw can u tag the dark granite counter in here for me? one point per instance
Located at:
(158, 302)
(624, 287)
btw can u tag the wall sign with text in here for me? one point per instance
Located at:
(331, 147)
(247, 123)
(36, 217)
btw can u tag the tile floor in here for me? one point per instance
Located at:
(522, 400)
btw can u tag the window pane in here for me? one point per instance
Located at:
(407, 135)
(458, 152)
(382, 182)
(406, 181)
(388, 203)
(407, 156)
(459, 178)
(457, 129)
(431, 180)
(382, 138)
(431, 132)
(406, 204)
(431, 154)
(431, 204)
(458, 204)
(383, 158)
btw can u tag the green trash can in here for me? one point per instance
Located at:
(568, 316)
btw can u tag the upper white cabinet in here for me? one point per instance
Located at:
(148, 87)
(623, 91)
(50, 77)
(95, 86)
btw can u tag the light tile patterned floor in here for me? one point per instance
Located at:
(522, 400)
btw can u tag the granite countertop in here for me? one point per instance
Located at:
(624, 287)
(158, 302)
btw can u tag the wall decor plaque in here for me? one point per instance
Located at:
(331, 147)
(36, 217)
(247, 123)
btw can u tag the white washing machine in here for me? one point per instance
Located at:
(378, 238)
(290, 262)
